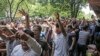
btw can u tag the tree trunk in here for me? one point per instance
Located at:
(10, 9)
(74, 7)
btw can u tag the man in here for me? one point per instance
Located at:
(37, 30)
(28, 46)
(37, 44)
(59, 39)
(10, 39)
(71, 39)
(23, 50)
(82, 41)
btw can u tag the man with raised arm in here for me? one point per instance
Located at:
(59, 43)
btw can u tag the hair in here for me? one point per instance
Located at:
(70, 26)
(14, 31)
(85, 27)
(29, 32)
(38, 26)
(57, 25)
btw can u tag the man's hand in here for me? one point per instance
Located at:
(4, 33)
(70, 49)
(26, 17)
(60, 24)
(12, 37)
(22, 36)
(17, 35)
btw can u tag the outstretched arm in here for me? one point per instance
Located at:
(26, 18)
(32, 43)
(60, 24)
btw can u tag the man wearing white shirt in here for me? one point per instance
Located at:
(60, 45)
(27, 44)
(23, 50)
(60, 48)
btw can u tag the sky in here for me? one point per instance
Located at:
(87, 10)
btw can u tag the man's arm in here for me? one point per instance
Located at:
(35, 46)
(26, 18)
(73, 43)
(60, 24)
(3, 37)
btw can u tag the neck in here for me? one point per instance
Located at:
(26, 49)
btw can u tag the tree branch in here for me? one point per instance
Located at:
(12, 2)
(17, 8)
(27, 6)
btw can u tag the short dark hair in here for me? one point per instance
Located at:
(57, 25)
(70, 26)
(85, 27)
(38, 26)
(29, 32)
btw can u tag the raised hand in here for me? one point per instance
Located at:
(26, 17)
(21, 35)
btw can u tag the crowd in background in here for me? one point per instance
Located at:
(59, 37)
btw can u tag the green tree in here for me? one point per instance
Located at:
(42, 7)
(75, 6)
(3, 5)
(11, 7)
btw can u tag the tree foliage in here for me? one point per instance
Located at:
(43, 7)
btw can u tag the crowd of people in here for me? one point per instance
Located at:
(57, 37)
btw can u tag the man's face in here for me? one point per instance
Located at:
(25, 47)
(36, 32)
(58, 30)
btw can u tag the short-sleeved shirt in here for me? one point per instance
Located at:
(83, 36)
(18, 51)
(60, 45)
